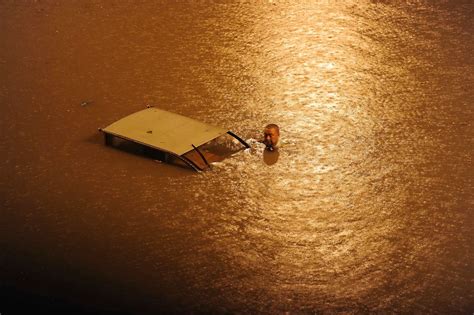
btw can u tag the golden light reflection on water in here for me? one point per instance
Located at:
(325, 222)
(314, 231)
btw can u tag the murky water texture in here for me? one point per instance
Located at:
(366, 207)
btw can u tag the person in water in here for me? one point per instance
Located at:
(271, 137)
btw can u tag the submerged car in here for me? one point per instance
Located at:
(172, 138)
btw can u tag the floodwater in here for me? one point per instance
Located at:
(366, 209)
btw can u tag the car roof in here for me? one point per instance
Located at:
(164, 130)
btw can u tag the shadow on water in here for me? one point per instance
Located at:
(270, 157)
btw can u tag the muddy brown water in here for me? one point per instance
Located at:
(367, 208)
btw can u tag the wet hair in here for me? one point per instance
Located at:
(273, 126)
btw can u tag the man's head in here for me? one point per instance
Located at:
(271, 134)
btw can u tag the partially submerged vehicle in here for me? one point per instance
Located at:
(171, 138)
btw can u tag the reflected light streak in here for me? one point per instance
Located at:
(307, 71)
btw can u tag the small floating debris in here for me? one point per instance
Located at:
(85, 103)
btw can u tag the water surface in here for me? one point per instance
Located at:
(367, 209)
